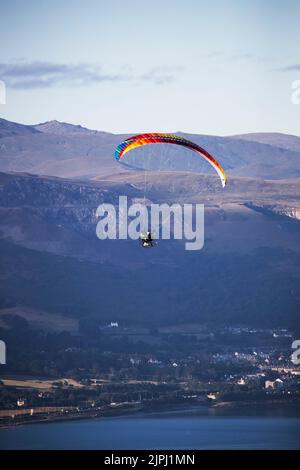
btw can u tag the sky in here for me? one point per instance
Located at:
(126, 66)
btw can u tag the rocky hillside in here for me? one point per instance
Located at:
(247, 272)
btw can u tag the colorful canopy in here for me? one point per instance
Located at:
(156, 138)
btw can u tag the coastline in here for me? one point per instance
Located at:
(279, 407)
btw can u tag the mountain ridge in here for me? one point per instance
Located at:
(72, 151)
(65, 128)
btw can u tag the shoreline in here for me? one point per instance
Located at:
(221, 409)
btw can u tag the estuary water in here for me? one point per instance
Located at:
(193, 429)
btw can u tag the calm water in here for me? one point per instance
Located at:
(174, 430)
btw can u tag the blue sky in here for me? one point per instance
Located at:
(214, 67)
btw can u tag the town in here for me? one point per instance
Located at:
(109, 369)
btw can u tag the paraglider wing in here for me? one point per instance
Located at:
(156, 138)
